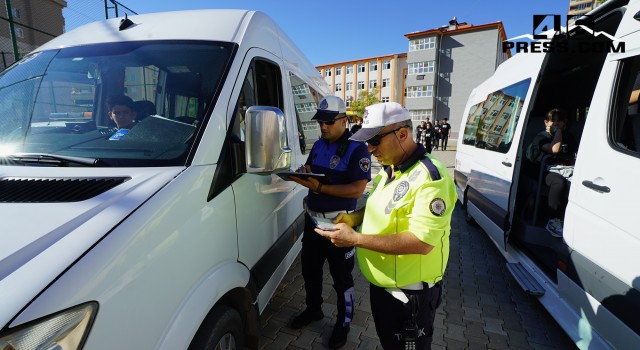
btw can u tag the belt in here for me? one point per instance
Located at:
(327, 214)
(400, 293)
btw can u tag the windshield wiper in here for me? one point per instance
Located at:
(54, 159)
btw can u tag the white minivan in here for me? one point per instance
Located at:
(173, 233)
(589, 278)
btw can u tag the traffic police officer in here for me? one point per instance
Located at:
(346, 164)
(403, 246)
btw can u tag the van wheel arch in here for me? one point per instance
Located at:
(239, 313)
(467, 217)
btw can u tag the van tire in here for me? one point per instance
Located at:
(222, 329)
(467, 217)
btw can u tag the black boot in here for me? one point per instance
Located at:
(339, 336)
(307, 316)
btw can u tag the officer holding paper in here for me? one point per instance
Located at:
(347, 167)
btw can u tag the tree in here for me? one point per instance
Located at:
(365, 98)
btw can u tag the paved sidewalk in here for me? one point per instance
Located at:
(482, 308)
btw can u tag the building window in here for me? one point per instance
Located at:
(338, 71)
(386, 82)
(339, 87)
(349, 69)
(419, 91)
(386, 65)
(421, 67)
(361, 85)
(327, 72)
(349, 86)
(418, 115)
(385, 99)
(306, 107)
(422, 44)
(310, 126)
(373, 66)
(347, 103)
(300, 90)
(373, 83)
(361, 67)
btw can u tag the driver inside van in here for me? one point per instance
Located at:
(556, 141)
(123, 113)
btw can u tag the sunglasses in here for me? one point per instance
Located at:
(331, 122)
(375, 141)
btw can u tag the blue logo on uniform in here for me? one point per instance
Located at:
(323, 104)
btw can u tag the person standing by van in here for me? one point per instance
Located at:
(403, 247)
(554, 140)
(445, 132)
(347, 164)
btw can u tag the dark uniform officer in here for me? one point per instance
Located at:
(347, 166)
(404, 245)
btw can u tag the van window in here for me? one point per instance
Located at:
(306, 101)
(625, 122)
(492, 122)
(262, 86)
(54, 102)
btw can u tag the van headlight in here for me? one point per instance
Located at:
(66, 330)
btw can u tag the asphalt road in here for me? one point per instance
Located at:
(483, 307)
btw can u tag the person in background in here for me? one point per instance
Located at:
(357, 126)
(347, 165)
(445, 132)
(436, 134)
(403, 243)
(553, 140)
(421, 136)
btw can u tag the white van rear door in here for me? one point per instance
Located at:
(601, 221)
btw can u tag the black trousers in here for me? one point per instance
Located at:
(390, 315)
(557, 195)
(445, 141)
(315, 250)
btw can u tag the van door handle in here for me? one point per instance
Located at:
(505, 163)
(597, 188)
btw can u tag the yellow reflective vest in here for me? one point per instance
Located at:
(419, 199)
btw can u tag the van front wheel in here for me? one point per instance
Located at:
(221, 330)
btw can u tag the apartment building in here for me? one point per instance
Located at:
(444, 64)
(580, 7)
(434, 78)
(35, 23)
(383, 73)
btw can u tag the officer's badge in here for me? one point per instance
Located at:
(365, 164)
(437, 207)
(400, 191)
(333, 163)
(323, 104)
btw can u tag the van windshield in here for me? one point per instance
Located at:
(124, 104)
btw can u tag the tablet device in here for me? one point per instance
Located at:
(324, 224)
(321, 177)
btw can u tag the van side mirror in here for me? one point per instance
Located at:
(267, 147)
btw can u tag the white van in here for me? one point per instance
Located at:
(588, 279)
(175, 233)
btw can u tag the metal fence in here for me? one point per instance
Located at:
(27, 24)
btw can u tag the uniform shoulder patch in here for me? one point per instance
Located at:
(365, 164)
(438, 207)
